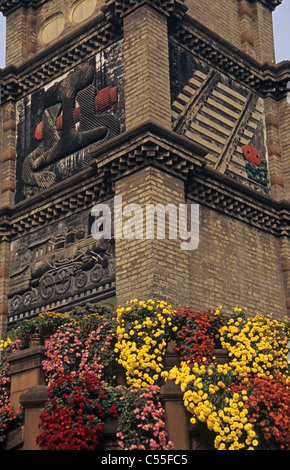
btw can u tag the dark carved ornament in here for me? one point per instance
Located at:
(59, 123)
(222, 115)
(143, 146)
(266, 80)
(65, 128)
(57, 264)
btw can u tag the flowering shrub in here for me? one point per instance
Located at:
(79, 347)
(73, 417)
(48, 322)
(256, 345)
(63, 352)
(6, 348)
(198, 333)
(143, 332)
(44, 325)
(142, 420)
(245, 402)
(268, 405)
(87, 347)
(9, 420)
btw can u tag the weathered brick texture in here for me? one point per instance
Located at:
(284, 121)
(147, 88)
(247, 26)
(236, 265)
(7, 154)
(151, 268)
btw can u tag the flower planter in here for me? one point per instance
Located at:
(35, 340)
(26, 371)
(201, 438)
(109, 440)
(221, 356)
(172, 357)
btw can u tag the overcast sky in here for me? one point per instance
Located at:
(281, 19)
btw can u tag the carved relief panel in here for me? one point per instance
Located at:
(222, 115)
(61, 264)
(58, 123)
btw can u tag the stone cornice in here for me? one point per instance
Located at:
(231, 198)
(17, 82)
(8, 6)
(117, 9)
(127, 153)
(271, 4)
(265, 80)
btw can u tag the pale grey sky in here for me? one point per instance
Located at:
(281, 19)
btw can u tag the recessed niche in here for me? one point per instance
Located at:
(52, 28)
(83, 10)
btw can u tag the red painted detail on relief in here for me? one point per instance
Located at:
(59, 123)
(252, 155)
(105, 98)
(77, 113)
(38, 131)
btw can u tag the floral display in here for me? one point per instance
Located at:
(113, 366)
(6, 348)
(42, 326)
(143, 332)
(246, 401)
(74, 416)
(198, 333)
(81, 346)
(142, 420)
(257, 345)
(9, 420)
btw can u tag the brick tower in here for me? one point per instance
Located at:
(158, 102)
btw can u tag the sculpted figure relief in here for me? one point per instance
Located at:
(70, 123)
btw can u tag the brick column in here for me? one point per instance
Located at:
(151, 268)
(274, 149)
(285, 256)
(246, 25)
(26, 372)
(284, 126)
(263, 33)
(16, 37)
(7, 192)
(4, 285)
(7, 154)
(147, 85)
(32, 401)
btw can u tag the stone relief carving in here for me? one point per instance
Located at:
(58, 123)
(62, 262)
(212, 109)
(60, 135)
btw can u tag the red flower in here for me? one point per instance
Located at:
(65, 424)
(265, 394)
(196, 335)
